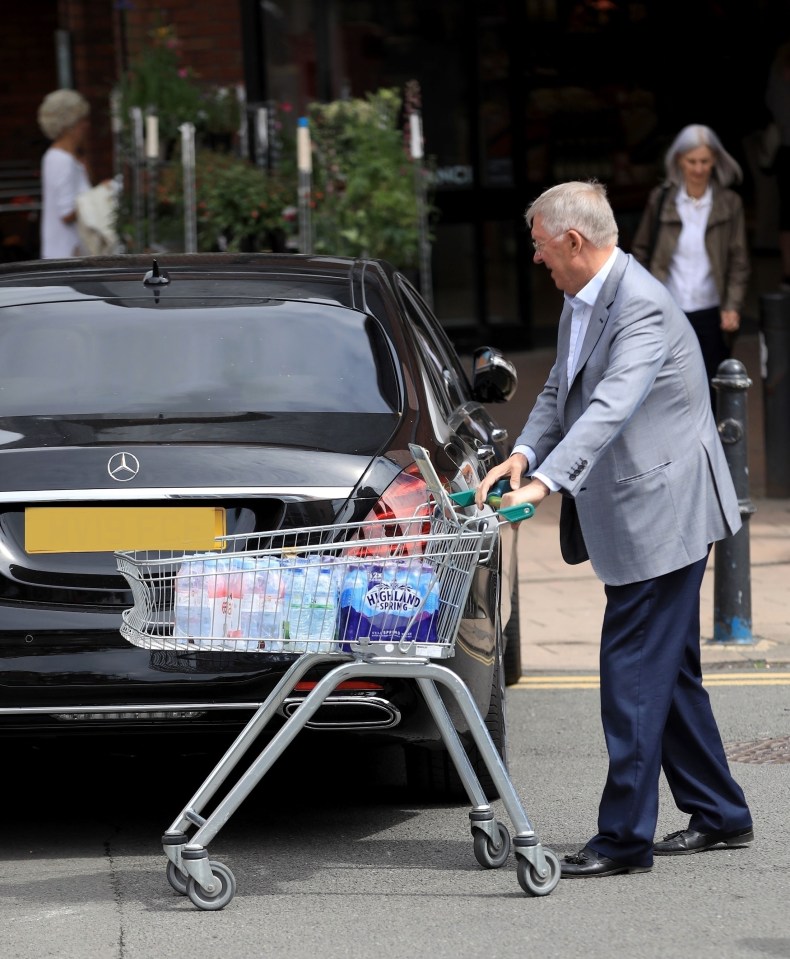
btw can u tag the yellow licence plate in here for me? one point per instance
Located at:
(87, 529)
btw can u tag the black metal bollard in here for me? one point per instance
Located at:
(775, 331)
(732, 587)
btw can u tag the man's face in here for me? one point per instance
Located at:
(697, 166)
(555, 253)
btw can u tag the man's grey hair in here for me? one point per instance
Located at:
(60, 110)
(726, 168)
(577, 205)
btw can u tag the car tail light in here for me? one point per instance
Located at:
(348, 685)
(403, 510)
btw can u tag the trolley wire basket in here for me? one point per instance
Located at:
(357, 588)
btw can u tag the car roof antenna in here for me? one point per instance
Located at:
(154, 277)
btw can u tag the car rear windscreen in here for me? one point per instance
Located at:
(94, 357)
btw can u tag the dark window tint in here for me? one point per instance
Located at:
(436, 350)
(94, 357)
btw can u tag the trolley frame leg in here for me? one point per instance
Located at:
(175, 837)
(427, 674)
(525, 841)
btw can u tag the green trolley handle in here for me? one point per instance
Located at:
(513, 514)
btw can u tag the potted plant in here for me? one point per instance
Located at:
(219, 118)
(239, 205)
(365, 197)
(157, 79)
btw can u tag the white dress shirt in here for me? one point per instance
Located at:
(690, 278)
(582, 306)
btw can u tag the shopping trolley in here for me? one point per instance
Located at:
(381, 598)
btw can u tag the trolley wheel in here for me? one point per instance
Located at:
(489, 855)
(216, 900)
(177, 879)
(531, 882)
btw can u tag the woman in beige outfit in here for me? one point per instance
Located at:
(692, 237)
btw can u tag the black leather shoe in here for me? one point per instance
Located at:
(686, 841)
(587, 863)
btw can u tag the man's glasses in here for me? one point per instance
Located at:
(538, 246)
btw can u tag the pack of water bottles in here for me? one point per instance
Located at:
(303, 604)
(269, 604)
(391, 602)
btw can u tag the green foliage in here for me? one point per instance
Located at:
(364, 193)
(365, 198)
(157, 78)
(237, 201)
(219, 110)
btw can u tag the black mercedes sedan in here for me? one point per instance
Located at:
(266, 392)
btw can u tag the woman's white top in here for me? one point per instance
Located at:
(63, 178)
(690, 278)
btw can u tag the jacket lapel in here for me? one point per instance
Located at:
(600, 311)
(563, 348)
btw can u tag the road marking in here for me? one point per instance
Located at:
(564, 681)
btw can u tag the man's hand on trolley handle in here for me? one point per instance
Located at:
(533, 491)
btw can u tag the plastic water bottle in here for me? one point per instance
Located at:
(222, 590)
(420, 580)
(192, 619)
(312, 607)
(263, 605)
(249, 610)
(353, 623)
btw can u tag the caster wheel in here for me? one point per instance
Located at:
(531, 882)
(225, 891)
(177, 879)
(489, 855)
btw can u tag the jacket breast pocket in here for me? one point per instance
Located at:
(634, 474)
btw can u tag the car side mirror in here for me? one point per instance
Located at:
(494, 379)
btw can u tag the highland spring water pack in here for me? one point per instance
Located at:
(389, 603)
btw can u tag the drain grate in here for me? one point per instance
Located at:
(760, 751)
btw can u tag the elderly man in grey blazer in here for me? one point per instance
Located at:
(623, 430)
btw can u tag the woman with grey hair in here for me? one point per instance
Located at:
(64, 118)
(692, 237)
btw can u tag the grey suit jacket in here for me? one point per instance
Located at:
(632, 438)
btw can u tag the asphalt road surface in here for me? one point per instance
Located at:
(333, 859)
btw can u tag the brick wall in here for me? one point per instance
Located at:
(211, 40)
(27, 73)
(209, 35)
(90, 26)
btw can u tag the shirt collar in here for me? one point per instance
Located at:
(705, 200)
(588, 294)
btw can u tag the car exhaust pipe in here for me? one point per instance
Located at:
(347, 712)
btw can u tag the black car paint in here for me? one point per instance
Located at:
(88, 663)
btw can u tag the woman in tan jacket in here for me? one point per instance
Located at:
(692, 237)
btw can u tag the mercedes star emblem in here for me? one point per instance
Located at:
(123, 467)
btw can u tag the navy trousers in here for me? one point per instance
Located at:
(655, 713)
(712, 341)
